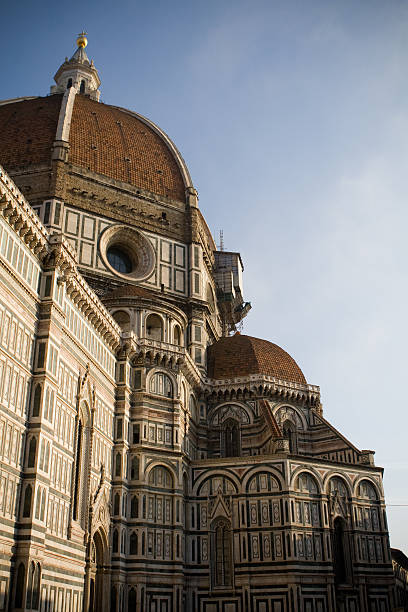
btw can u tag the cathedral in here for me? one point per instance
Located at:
(153, 458)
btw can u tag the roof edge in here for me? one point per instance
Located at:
(188, 183)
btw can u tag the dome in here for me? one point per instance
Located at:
(240, 355)
(104, 139)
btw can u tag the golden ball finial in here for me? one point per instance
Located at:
(82, 40)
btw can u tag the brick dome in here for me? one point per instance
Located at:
(104, 139)
(240, 355)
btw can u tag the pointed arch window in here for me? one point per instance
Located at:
(32, 449)
(77, 470)
(133, 544)
(118, 464)
(116, 504)
(341, 552)
(82, 87)
(115, 541)
(134, 470)
(69, 83)
(37, 401)
(289, 432)
(28, 494)
(30, 585)
(18, 600)
(132, 600)
(221, 553)
(231, 438)
(134, 507)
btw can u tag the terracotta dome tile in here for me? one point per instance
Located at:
(240, 355)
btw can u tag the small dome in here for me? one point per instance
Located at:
(239, 356)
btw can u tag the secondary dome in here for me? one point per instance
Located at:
(104, 139)
(240, 355)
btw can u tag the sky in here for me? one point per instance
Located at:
(293, 120)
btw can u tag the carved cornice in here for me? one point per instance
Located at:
(260, 384)
(53, 251)
(21, 217)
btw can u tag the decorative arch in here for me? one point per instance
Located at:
(161, 383)
(286, 412)
(218, 479)
(309, 472)
(338, 482)
(366, 489)
(161, 477)
(258, 470)
(227, 410)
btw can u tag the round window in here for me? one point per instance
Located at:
(119, 260)
(127, 253)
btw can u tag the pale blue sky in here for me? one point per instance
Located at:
(292, 117)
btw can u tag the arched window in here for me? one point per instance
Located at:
(36, 587)
(134, 507)
(30, 585)
(132, 600)
(221, 553)
(18, 600)
(133, 544)
(32, 449)
(69, 83)
(82, 87)
(161, 384)
(134, 470)
(115, 541)
(37, 401)
(122, 318)
(341, 560)
(78, 466)
(289, 432)
(113, 599)
(231, 438)
(177, 335)
(118, 464)
(144, 506)
(28, 494)
(47, 457)
(154, 327)
(43, 500)
(116, 504)
(143, 543)
(38, 503)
